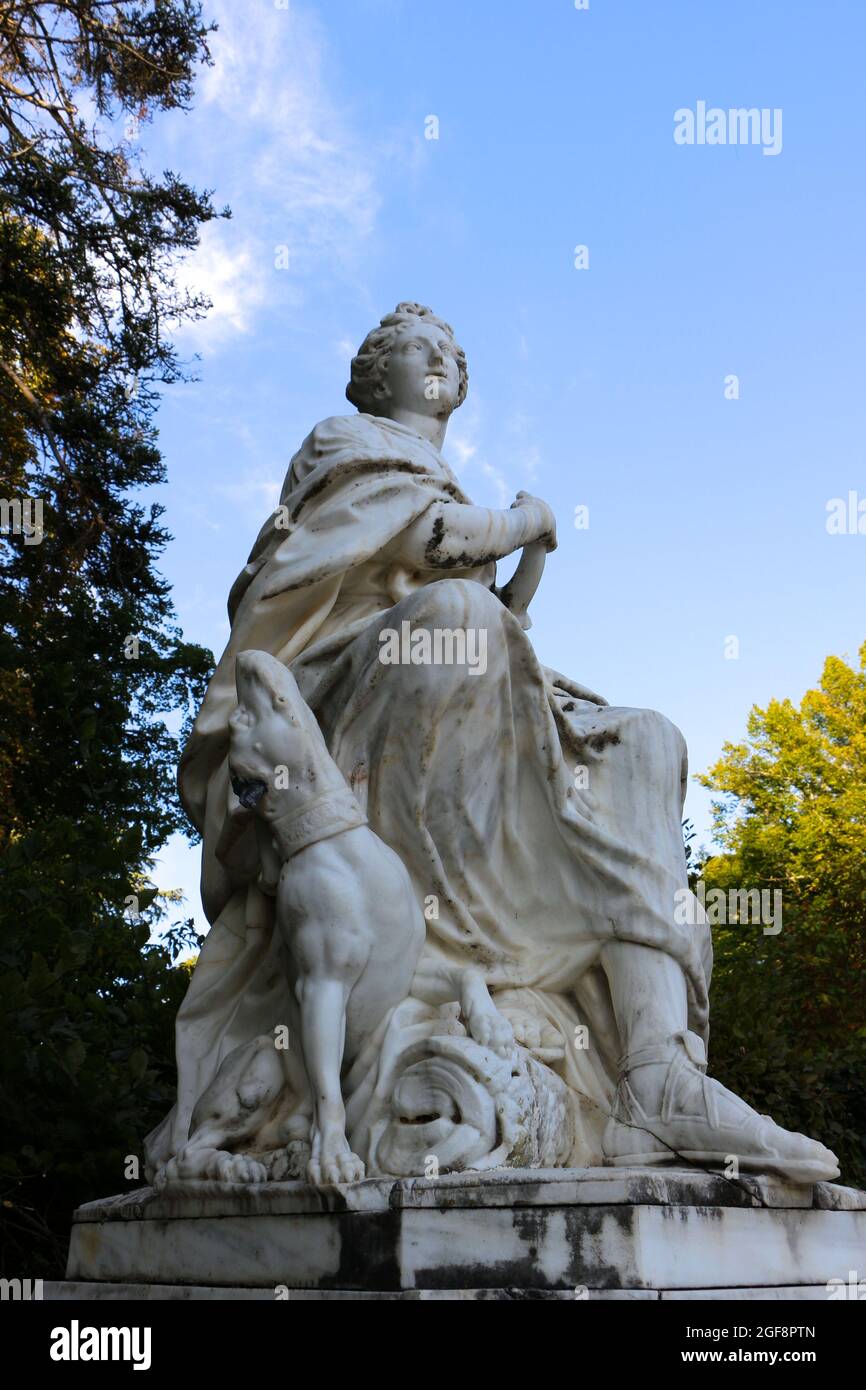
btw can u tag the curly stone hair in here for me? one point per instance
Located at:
(368, 387)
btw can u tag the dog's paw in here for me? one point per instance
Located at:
(536, 1035)
(485, 1023)
(336, 1171)
(332, 1163)
(165, 1175)
(290, 1162)
(226, 1167)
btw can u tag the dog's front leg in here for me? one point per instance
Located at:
(322, 1004)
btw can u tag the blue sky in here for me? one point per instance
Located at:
(602, 387)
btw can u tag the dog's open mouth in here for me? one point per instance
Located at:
(249, 791)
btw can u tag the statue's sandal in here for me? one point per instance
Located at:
(700, 1121)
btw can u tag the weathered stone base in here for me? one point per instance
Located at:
(559, 1233)
(68, 1291)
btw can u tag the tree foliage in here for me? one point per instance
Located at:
(96, 682)
(789, 1011)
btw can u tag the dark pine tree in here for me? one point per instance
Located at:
(96, 682)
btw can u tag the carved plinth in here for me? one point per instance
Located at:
(562, 1233)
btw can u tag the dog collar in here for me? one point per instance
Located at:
(320, 819)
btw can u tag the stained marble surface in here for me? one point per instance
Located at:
(674, 1231)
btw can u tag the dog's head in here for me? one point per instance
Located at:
(272, 729)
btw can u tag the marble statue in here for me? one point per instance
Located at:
(473, 953)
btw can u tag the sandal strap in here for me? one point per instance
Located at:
(660, 1051)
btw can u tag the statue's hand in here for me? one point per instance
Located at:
(545, 528)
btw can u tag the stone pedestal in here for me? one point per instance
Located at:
(557, 1233)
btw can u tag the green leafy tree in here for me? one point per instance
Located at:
(789, 1010)
(96, 681)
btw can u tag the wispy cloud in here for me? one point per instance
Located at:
(231, 272)
(462, 451)
(313, 174)
(472, 443)
(465, 451)
(504, 492)
(254, 493)
(279, 148)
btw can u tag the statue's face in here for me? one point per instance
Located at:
(423, 375)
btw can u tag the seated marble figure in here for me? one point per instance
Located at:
(557, 895)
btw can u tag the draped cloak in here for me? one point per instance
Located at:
(469, 777)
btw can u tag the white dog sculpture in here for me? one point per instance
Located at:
(348, 915)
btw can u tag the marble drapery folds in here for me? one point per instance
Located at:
(470, 778)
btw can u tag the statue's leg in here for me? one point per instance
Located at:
(648, 989)
(665, 1107)
(322, 1005)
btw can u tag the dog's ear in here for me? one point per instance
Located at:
(249, 791)
(240, 718)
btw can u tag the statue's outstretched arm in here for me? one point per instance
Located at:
(457, 535)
